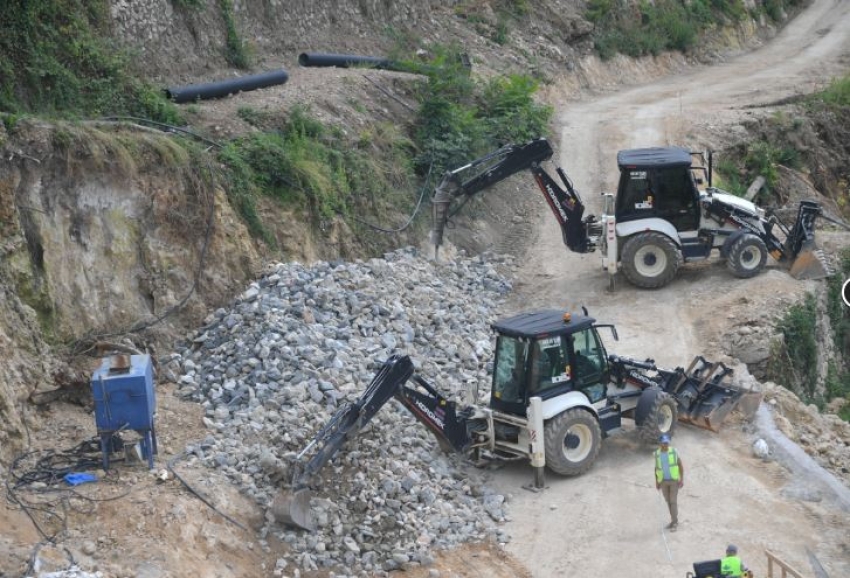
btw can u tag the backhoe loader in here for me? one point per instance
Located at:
(658, 219)
(555, 394)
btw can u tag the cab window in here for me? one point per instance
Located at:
(590, 363)
(549, 364)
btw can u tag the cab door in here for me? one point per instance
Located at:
(589, 363)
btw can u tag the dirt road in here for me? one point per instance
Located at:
(610, 521)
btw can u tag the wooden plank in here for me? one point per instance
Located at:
(787, 570)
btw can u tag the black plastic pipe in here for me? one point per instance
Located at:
(344, 60)
(223, 88)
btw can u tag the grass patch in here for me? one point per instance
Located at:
(757, 158)
(837, 94)
(58, 60)
(648, 28)
(311, 167)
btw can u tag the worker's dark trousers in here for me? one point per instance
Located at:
(670, 491)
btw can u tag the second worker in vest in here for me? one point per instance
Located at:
(669, 477)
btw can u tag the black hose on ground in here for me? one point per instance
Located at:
(189, 93)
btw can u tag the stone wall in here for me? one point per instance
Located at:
(185, 45)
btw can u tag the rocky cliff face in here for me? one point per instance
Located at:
(101, 236)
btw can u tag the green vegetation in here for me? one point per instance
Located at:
(794, 358)
(236, 53)
(837, 94)
(757, 158)
(308, 165)
(650, 28)
(794, 361)
(58, 61)
(506, 11)
(461, 119)
(838, 378)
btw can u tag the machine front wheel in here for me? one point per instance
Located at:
(747, 256)
(572, 441)
(650, 260)
(656, 413)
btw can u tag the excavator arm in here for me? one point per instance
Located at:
(461, 184)
(438, 414)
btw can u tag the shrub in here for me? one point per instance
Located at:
(796, 358)
(57, 59)
(460, 118)
(836, 94)
(656, 26)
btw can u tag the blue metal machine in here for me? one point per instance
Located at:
(124, 399)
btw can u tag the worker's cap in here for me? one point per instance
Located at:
(664, 439)
(731, 549)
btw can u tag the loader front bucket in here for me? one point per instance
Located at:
(810, 263)
(293, 509)
(704, 398)
(711, 409)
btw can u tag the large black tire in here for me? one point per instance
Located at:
(747, 256)
(650, 260)
(656, 413)
(572, 442)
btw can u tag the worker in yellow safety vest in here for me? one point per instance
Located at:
(669, 477)
(731, 566)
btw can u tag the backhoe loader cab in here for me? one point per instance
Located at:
(546, 354)
(658, 183)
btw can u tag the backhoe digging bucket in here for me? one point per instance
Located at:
(810, 263)
(293, 509)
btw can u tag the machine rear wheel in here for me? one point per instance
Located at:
(650, 260)
(747, 256)
(572, 442)
(656, 413)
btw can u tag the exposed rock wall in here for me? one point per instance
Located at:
(91, 246)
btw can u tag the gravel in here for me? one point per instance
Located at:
(272, 369)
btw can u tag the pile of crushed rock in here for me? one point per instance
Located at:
(272, 369)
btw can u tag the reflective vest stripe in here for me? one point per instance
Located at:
(672, 462)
